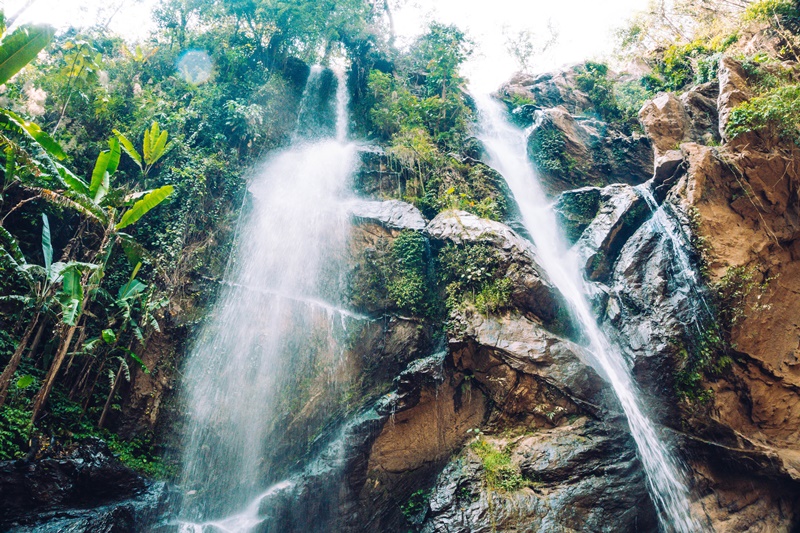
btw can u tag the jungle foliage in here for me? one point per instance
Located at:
(121, 166)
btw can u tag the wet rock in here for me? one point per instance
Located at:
(622, 210)
(527, 370)
(379, 176)
(668, 167)
(572, 152)
(576, 209)
(578, 477)
(392, 214)
(531, 290)
(86, 491)
(90, 475)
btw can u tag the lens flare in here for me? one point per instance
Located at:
(195, 67)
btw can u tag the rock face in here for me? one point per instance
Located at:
(573, 151)
(52, 493)
(532, 291)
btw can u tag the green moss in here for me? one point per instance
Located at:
(547, 149)
(500, 473)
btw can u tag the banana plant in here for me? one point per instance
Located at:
(154, 146)
(129, 294)
(27, 149)
(53, 282)
(114, 210)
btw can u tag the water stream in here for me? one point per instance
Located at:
(507, 153)
(685, 270)
(274, 318)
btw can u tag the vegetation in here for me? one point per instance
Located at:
(420, 111)
(474, 273)
(119, 171)
(500, 473)
(778, 109)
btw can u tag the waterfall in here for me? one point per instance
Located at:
(507, 153)
(685, 270)
(274, 323)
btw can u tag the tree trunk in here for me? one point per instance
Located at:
(11, 367)
(37, 338)
(47, 386)
(110, 397)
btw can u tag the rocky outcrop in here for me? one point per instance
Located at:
(391, 214)
(551, 89)
(52, 493)
(670, 120)
(571, 151)
(580, 477)
(531, 290)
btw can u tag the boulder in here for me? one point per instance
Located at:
(579, 477)
(571, 152)
(622, 210)
(733, 90)
(532, 291)
(391, 214)
(666, 122)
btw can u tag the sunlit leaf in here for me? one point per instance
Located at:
(144, 205)
(22, 47)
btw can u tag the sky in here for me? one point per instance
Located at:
(585, 27)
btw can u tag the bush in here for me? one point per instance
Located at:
(778, 108)
(501, 474)
(14, 432)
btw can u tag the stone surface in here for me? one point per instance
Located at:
(392, 214)
(665, 121)
(593, 152)
(531, 290)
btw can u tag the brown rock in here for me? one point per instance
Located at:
(666, 122)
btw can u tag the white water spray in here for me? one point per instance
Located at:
(507, 151)
(275, 311)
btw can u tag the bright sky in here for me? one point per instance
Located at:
(584, 26)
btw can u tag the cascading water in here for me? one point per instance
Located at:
(507, 153)
(275, 318)
(665, 225)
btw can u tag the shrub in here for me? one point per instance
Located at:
(501, 474)
(778, 108)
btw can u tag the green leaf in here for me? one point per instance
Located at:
(159, 148)
(47, 246)
(22, 47)
(25, 381)
(71, 296)
(11, 164)
(114, 151)
(73, 182)
(100, 178)
(109, 337)
(132, 288)
(12, 121)
(144, 205)
(137, 359)
(149, 141)
(9, 243)
(128, 148)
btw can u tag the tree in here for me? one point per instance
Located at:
(113, 209)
